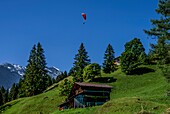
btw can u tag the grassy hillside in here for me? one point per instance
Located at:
(44, 103)
(130, 94)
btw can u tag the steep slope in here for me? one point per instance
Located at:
(130, 94)
(44, 103)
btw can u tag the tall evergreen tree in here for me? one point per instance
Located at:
(108, 64)
(133, 56)
(49, 81)
(4, 95)
(1, 98)
(13, 94)
(161, 32)
(44, 80)
(81, 61)
(35, 79)
(30, 78)
(21, 88)
(65, 74)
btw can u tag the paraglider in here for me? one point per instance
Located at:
(84, 17)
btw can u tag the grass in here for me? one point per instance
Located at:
(41, 104)
(132, 94)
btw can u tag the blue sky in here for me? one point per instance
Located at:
(58, 26)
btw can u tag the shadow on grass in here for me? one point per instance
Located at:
(104, 79)
(142, 70)
(6, 106)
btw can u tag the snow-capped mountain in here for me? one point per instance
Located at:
(15, 68)
(11, 73)
(53, 71)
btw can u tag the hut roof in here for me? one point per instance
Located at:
(93, 85)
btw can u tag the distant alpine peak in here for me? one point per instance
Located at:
(11, 73)
(15, 68)
(18, 67)
(53, 71)
(55, 68)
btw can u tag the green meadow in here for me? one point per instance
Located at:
(141, 93)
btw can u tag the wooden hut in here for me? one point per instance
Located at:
(86, 95)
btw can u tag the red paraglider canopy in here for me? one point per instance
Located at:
(84, 16)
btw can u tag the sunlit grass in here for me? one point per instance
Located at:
(130, 94)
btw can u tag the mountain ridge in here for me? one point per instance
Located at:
(11, 73)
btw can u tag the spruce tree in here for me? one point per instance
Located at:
(13, 94)
(35, 79)
(1, 98)
(21, 88)
(4, 95)
(133, 56)
(161, 32)
(108, 64)
(30, 77)
(3, 91)
(44, 80)
(49, 81)
(81, 61)
(65, 74)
